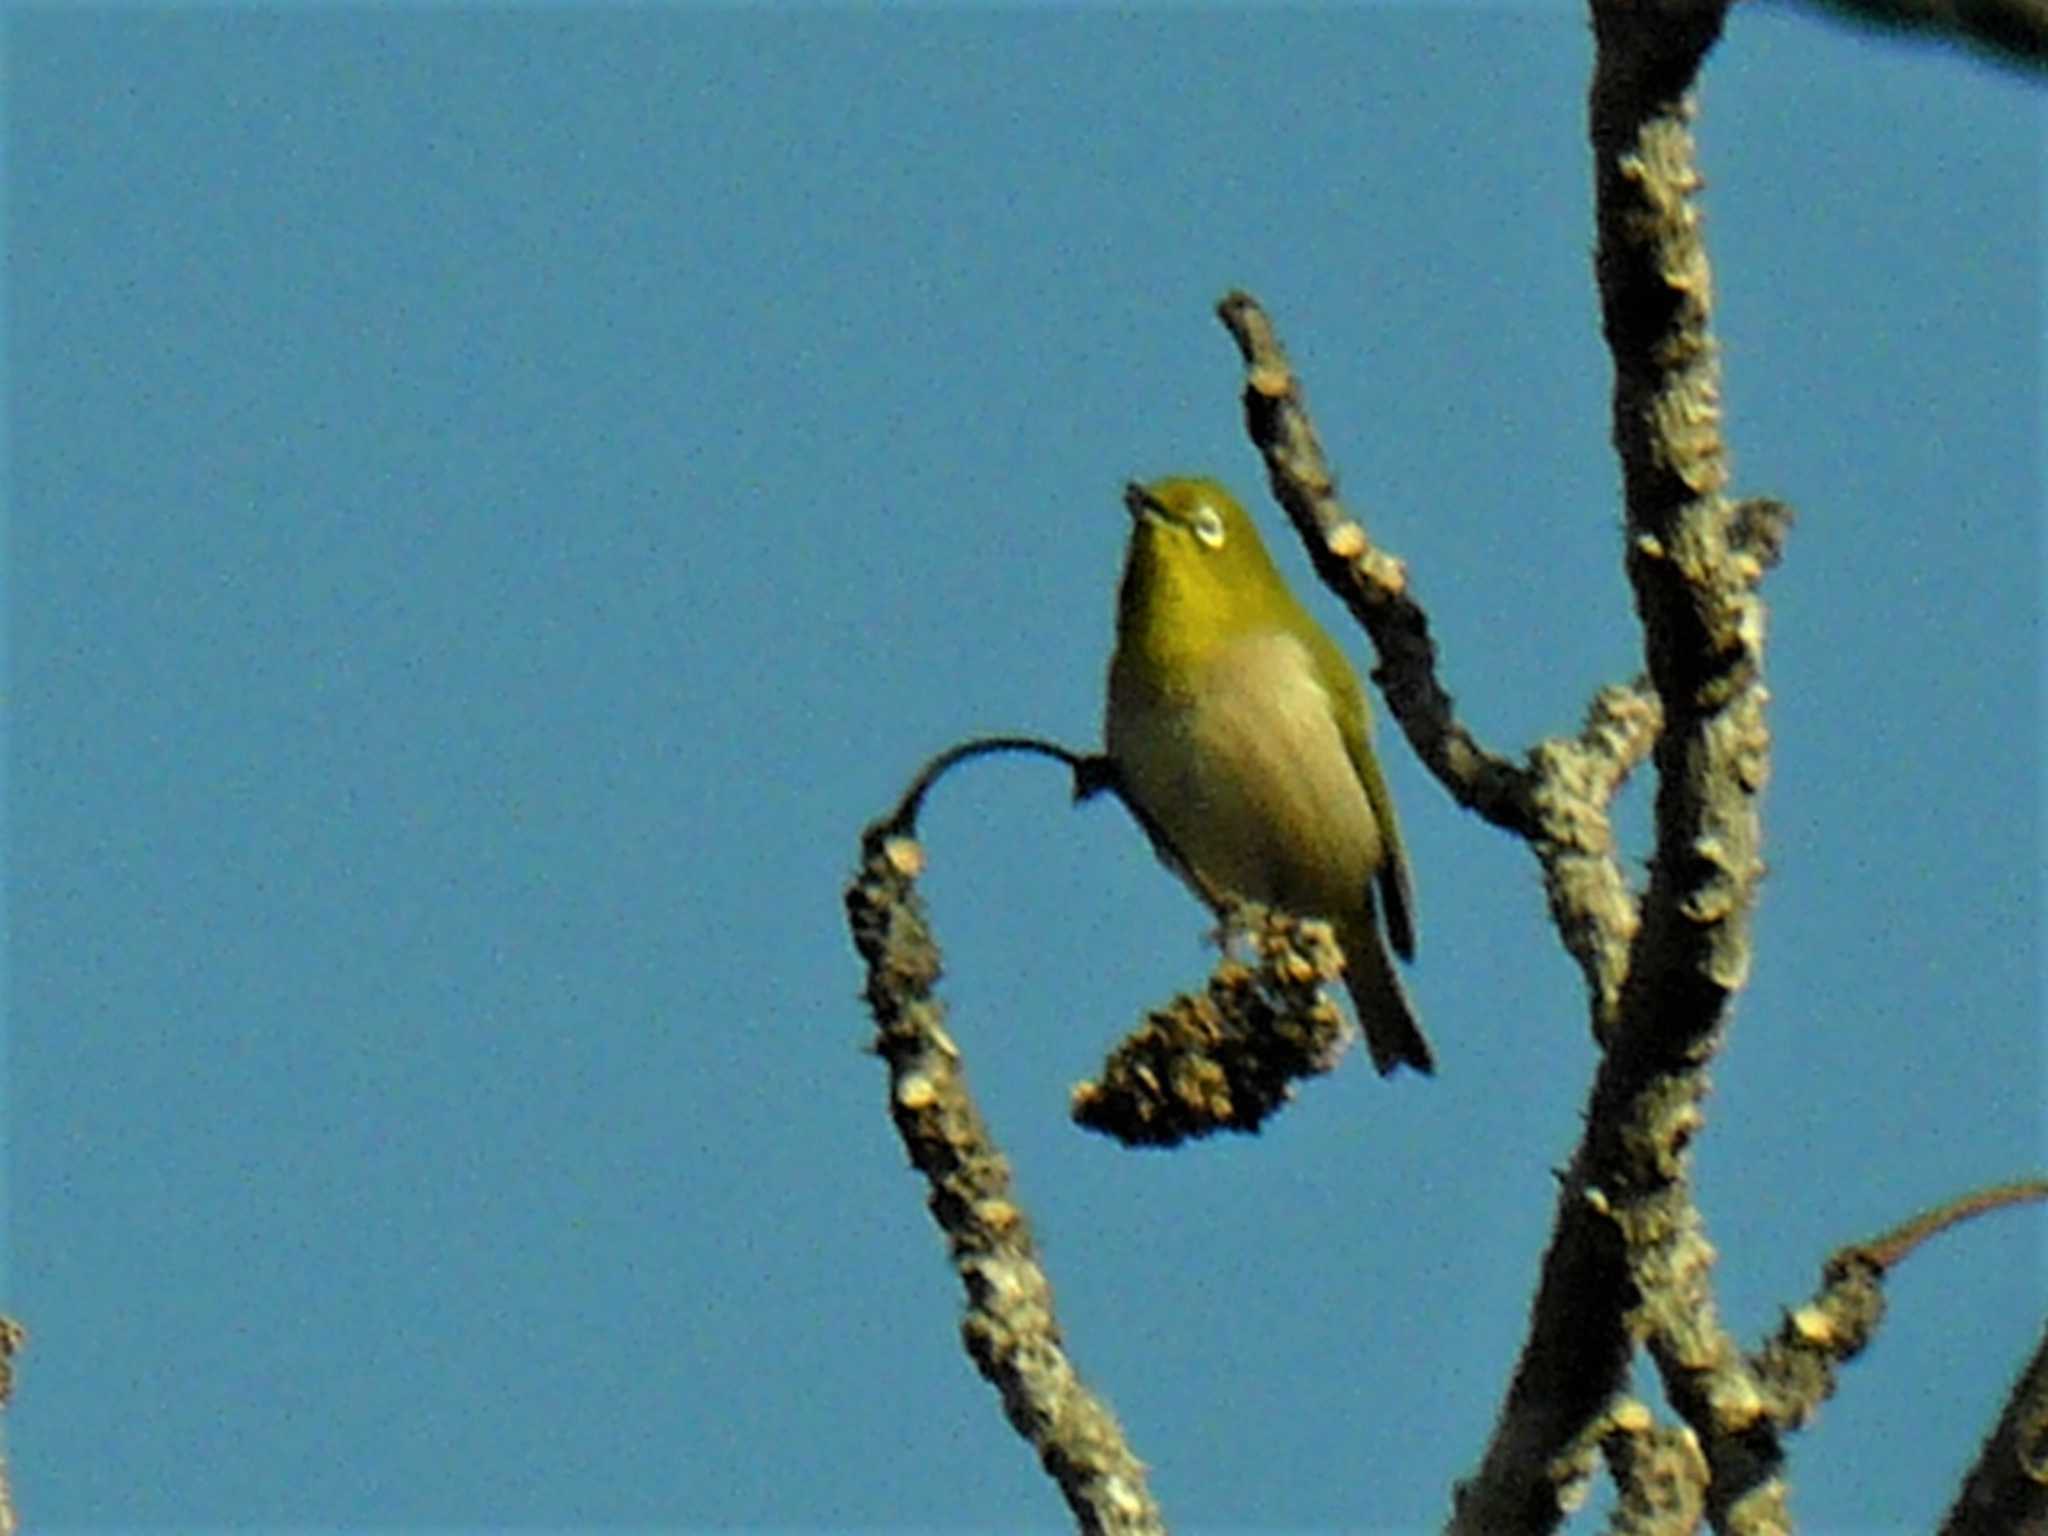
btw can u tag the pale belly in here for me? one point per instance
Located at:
(1249, 780)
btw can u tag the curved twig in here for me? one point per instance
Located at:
(1796, 1370)
(1887, 1250)
(1091, 773)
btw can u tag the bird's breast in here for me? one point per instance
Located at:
(1244, 768)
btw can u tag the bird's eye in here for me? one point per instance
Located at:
(1208, 526)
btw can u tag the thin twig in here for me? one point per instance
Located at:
(1091, 773)
(1796, 1370)
(1888, 1250)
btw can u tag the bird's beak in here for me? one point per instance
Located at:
(1139, 503)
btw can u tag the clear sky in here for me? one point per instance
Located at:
(499, 497)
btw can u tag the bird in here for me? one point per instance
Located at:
(1238, 734)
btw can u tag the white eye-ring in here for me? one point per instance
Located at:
(1208, 526)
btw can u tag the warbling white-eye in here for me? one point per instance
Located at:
(1239, 731)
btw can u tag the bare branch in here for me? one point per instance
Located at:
(1371, 582)
(1628, 1257)
(1694, 567)
(1092, 774)
(1885, 1252)
(1010, 1329)
(1576, 781)
(1796, 1370)
(2013, 30)
(1557, 801)
(2006, 1493)
(1659, 1471)
(1577, 1353)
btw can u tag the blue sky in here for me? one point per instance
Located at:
(498, 498)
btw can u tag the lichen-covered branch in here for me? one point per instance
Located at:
(1226, 1058)
(1371, 582)
(1550, 1436)
(1575, 782)
(1628, 1257)
(1010, 1329)
(1797, 1369)
(1660, 1477)
(1628, 1262)
(1557, 801)
(1694, 574)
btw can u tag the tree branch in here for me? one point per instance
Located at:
(1796, 1370)
(1557, 800)
(2006, 1493)
(1371, 583)
(1628, 1257)
(2015, 31)
(1575, 782)
(1226, 1059)
(1010, 1329)
(1659, 1472)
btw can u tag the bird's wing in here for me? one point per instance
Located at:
(1396, 895)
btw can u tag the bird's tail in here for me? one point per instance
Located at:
(1384, 1012)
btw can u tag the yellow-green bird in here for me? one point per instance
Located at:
(1237, 729)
